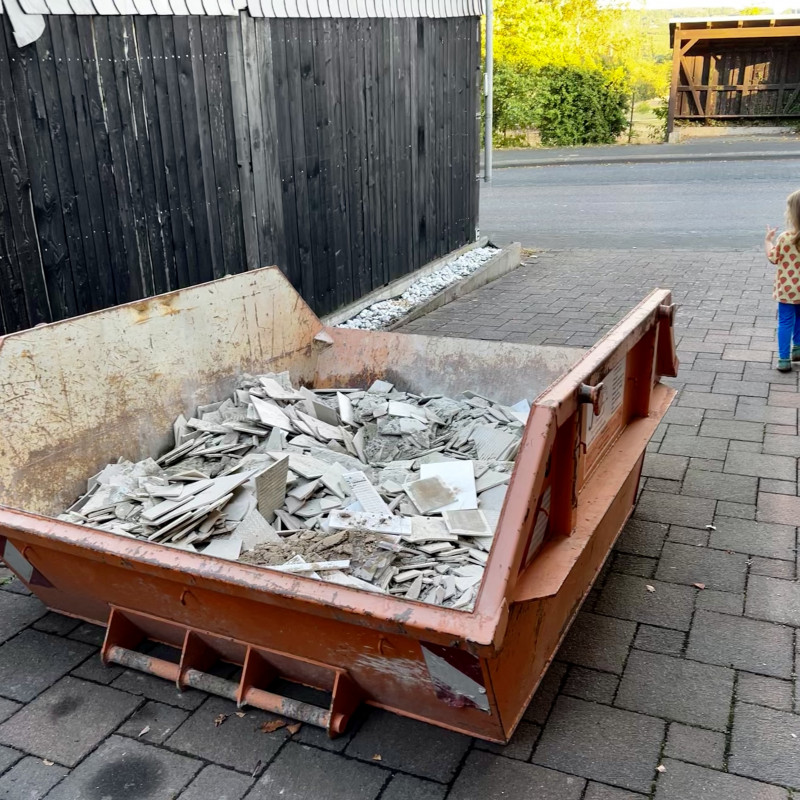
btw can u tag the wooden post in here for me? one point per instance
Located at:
(673, 87)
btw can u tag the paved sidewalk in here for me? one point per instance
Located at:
(732, 148)
(678, 694)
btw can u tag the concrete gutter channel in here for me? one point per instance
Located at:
(507, 259)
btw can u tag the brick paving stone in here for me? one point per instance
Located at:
(696, 745)
(761, 647)
(627, 597)
(602, 743)
(406, 787)
(17, 612)
(720, 402)
(7, 708)
(696, 446)
(659, 640)
(599, 642)
(772, 414)
(123, 769)
(762, 745)
(634, 565)
(681, 415)
(676, 689)
(30, 779)
(57, 624)
(716, 486)
(735, 510)
(546, 694)
(662, 485)
(779, 508)
(762, 691)
(772, 568)
(724, 602)
(521, 745)
(682, 781)
(676, 510)
(157, 719)
(599, 791)
(691, 536)
(589, 684)
(409, 745)
(781, 445)
(154, 688)
(641, 538)
(754, 538)
(238, 742)
(731, 429)
(305, 773)
(53, 656)
(773, 486)
(716, 569)
(93, 669)
(216, 783)
(492, 777)
(7, 757)
(739, 388)
(68, 720)
(708, 464)
(773, 599)
(89, 634)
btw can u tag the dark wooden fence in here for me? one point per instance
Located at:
(143, 154)
(740, 79)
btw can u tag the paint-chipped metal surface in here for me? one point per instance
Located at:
(73, 392)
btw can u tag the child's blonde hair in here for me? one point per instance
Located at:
(793, 216)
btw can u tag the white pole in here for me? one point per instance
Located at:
(488, 89)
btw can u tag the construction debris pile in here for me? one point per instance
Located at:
(381, 490)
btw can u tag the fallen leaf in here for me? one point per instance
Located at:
(294, 728)
(650, 588)
(377, 757)
(144, 730)
(47, 762)
(273, 725)
(241, 714)
(219, 720)
(661, 768)
(700, 585)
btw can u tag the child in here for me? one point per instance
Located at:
(785, 254)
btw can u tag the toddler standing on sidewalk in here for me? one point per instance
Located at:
(785, 254)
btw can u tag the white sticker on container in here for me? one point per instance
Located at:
(614, 390)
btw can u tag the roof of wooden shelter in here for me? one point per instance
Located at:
(749, 27)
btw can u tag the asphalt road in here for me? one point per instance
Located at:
(715, 205)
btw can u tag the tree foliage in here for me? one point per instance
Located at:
(592, 45)
(575, 106)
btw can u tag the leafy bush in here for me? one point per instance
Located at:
(573, 106)
(513, 105)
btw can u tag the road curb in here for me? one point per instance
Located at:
(650, 159)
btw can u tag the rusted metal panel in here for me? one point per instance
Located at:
(112, 382)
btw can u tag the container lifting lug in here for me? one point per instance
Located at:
(592, 394)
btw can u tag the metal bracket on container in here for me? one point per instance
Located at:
(198, 655)
(667, 312)
(592, 394)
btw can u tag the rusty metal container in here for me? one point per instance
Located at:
(79, 393)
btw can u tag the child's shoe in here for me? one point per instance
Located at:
(796, 352)
(784, 365)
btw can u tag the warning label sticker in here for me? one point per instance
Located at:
(614, 389)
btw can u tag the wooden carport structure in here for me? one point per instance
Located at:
(735, 68)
